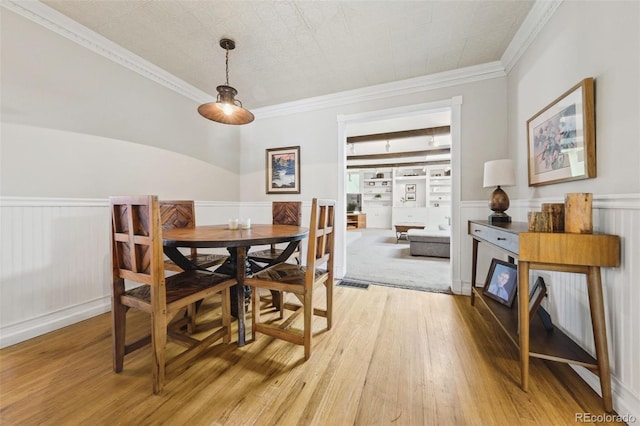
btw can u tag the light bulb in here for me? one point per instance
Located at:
(227, 109)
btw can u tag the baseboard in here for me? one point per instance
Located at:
(627, 405)
(458, 287)
(33, 327)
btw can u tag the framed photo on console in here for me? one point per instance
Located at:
(537, 293)
(501, 283)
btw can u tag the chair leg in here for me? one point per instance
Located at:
(308, 314)
(255, 308)
(118, 331)
(158, 337)
(329, 289)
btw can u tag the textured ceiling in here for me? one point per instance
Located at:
(292, 50)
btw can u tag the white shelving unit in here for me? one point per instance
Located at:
(406, 194)
(439, 188)
(377, 190)
(410, 185)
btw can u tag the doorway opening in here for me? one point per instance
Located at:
(398, 169)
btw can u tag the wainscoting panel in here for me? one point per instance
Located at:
(568, 301)
(55, 265)
(56, 261)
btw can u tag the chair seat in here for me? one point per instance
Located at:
(181, 286)
(203, 260)
(266, 255)
(288, 273)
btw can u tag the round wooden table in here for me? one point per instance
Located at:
(237, 241)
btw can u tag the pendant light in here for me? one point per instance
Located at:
(226, 109)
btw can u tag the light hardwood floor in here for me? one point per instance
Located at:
(394, 356)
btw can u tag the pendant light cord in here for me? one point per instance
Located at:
(227, 65)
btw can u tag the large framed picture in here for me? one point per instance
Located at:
(561, 138)
(283, 170)
(501, 284)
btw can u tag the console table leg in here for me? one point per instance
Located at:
(523, 320)
(474, 270)
(596, 303)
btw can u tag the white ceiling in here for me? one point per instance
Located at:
(293, 50)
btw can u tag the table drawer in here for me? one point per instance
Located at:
(503, 239)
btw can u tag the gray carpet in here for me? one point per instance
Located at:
(373, 256)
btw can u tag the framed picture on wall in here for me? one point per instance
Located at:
(283, 170)
(410, 196)
(411, 187)
(561, 138)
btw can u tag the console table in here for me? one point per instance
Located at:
(563, 252)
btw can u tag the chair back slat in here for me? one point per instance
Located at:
(287, 213)
(178, 214)
(135, 239)
(321, 236)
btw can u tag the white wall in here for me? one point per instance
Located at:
(37, 162)
(483, 138)
(52, 82)
(600, 40)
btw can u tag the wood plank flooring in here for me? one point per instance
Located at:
(394, 356)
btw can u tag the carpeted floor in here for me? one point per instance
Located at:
(373, 256)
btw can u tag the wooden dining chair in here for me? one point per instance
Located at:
(301, 281)
(182, 214)
(136, 247)
(282, 213)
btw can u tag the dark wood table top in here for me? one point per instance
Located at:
(222, 236)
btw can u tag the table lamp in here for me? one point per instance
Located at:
(499, 173)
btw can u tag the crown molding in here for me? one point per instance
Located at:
(55, 21)
(387, 90)
(537, 18)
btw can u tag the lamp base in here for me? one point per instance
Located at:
(499, 217)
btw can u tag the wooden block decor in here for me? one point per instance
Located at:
(539, 222)
(550, 219)
(556, 213)
(578, 217)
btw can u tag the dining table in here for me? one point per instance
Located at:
(237, 242)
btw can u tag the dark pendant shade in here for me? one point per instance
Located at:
(226, 109)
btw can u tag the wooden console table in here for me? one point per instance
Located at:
(356, 220)
(563, 252)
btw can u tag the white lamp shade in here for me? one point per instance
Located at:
(499, 173)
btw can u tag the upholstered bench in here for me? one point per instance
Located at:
(429, 243)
